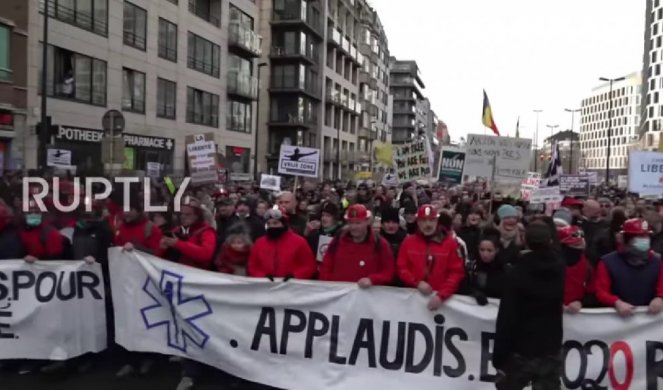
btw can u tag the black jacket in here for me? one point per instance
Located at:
(471, 236)
(93, 239)
(529, 322)
(592, 229)
(297, 223)
(313, 238)
(394, 240)
(11, 246)
(485, 280)
(508, 255)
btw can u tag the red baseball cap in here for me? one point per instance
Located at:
(427, 211)
(357, 213)
(570, 235)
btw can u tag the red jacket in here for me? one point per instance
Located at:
(577, 281)
(289, 255)
(43, 245)
(197, 249)
(231, 261)
(437, 261)
(348, 261)
(135, 234)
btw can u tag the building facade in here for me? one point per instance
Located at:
(173, 68)
(595, 123)
(326, 85)
(410, 109)
(13, 81)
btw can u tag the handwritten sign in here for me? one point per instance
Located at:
(412, 161)
(529, 185)
(512, 155)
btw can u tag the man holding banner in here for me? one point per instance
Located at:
(430, 260)
(358, 255)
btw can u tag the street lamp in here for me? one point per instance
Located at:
(573, 115)
(255, 145)
(536, 138)
(607, 163)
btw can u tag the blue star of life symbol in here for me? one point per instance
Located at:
(175, 311)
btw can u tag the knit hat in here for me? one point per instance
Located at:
(507, 211)
(277, 213)
(563, 217)
(390, 214)
(329, 208)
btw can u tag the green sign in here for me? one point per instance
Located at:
(451, 166)
(129, 158)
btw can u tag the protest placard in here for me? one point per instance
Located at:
(452, 162)
(512, 160)
(412, 161)
(645, 173)
(574, 185)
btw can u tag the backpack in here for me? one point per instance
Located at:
(68, 250)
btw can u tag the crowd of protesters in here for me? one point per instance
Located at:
(602, 251)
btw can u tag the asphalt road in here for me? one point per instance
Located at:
(165, 376)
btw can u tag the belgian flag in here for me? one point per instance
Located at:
(487, 117)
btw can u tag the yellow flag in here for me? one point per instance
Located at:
(384, 154)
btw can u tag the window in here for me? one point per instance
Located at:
(239, 64)
(237, 16)
(91, 15)
(167, 40)
(135, 26)
(202, 107)
(5, 49)
(203, 55)
(133, 91)
(166, 98)
(75, 76)
(238, 116)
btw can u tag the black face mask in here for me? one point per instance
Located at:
(276, 233)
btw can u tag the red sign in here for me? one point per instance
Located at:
(6, 119)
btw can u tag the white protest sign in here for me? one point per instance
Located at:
(58, 158)
(299, 161)
(531, 183)
(51, 310)
(390, 180)
(622, 182)
(593, 177)
(512, 161)
(202, 158)
(335, 336)
(270, 182)
(546, 195)
(645, 172)
(153, 169)
(323, 244)
(412, 161)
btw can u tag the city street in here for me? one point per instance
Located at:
(102, 377)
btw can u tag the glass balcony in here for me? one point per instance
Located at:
(297, 14)
(334, 36)
(346, 45)
(308, 53)
(334, 97)
(243, 85)
(247, 39)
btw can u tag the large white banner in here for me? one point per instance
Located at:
(51, 310)
(314, 335)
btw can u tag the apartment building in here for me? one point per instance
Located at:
(13, 81)
(172, 67)
(410, 107)
(595, 123)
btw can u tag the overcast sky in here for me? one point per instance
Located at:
(527, 54)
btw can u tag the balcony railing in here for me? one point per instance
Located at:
(82, 19)
(334, 97)
(401, 68)
(296, 16)
(245, 38)
(243, 85)
(279, 51)
(293, 119)
(346, 44)
(204, 14)
(334, 36)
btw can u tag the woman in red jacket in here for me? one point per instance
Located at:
(431, 260)
(578, 271)
(281, 253)
(358, 255)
